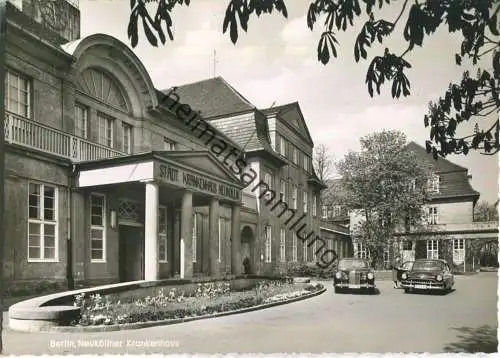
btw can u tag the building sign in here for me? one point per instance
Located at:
(180, 177)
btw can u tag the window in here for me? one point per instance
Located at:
(458, 251)
(294, 198)
(412, 185)
(324, 212)
(306, 163)
(433, 183)
(294, 246)
(127, 137)
(269, 181)
(305, 202)
(105, 129)
(314, 205)
(432, 249)
(18, 94)
(81, 121)
(220, 239)
(432, 215)
(162, 234)
(282, 245)
(314, 249)
(282, 146)
(268, 238)
(295, 156)
(304, 251)
(97, 228)
(337, 211)
(169, 144)
(195, 238)
(407, 245)
(42, 223)
(360, 251)
(283, 190)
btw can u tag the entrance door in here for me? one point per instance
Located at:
(131, 253)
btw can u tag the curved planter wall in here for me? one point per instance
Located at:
(42, 313)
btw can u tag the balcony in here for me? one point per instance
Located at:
(480, 229)
(34, 135)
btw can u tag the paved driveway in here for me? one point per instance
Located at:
(389, 322)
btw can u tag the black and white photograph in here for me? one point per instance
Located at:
(249, 176)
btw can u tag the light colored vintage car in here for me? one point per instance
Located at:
(354, 274)
(428, 275)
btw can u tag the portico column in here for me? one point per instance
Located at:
(186, 251)
(213, 238)
(236, 262)
(151, 233)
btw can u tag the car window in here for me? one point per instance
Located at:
(407, 265)
(352, 264)
(427, 265)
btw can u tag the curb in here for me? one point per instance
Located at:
(139, 325)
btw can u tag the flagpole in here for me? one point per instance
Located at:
(3, 30)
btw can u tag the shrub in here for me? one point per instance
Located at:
(299, 269)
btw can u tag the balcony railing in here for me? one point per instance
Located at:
(34, 135)
(490, 226)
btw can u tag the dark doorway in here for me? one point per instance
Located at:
(131, 253)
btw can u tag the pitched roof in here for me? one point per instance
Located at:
(286, 108)
(250, 132)
(440, 165)
(217, 100)
(212, 97)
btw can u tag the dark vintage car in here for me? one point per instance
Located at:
(353, 273)
(429, 275)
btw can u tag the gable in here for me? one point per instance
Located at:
(292, 115)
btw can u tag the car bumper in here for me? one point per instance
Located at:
(354, 286)
(423, 286)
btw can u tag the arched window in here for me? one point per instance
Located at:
(99, 85)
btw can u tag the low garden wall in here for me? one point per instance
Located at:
(142, 301)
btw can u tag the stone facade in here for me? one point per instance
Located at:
(84, 124)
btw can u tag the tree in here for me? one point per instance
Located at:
(386, 185)
(323, 162)
(484, 211)
(473, 98)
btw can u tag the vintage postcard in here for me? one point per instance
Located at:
(243, 176)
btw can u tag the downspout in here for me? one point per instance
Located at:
(69, 241)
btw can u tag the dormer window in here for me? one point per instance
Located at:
(433, 183)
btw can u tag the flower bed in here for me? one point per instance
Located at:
(209, 298)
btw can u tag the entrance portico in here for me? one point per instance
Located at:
(177, 181)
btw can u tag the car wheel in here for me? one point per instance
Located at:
(371, 291)
(337, 290)
(407, 290)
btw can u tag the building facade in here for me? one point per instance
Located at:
(109, 179)
(448, 230)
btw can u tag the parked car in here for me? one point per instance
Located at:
(354, 273)
(428, 275)
(404, 268)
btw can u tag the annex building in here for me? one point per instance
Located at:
(449, 230)
(110, 179)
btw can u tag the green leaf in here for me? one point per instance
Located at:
(458, 59)
(149, 34)
(493, 24)
(133, 29)
(233, 30)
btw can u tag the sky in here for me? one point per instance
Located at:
(275, 62)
